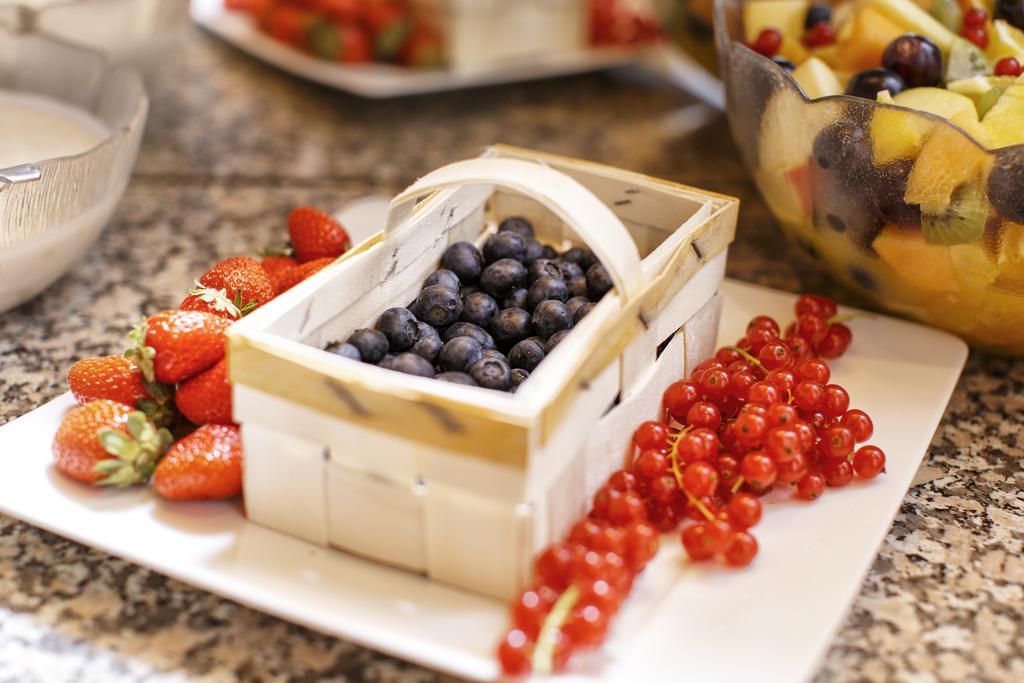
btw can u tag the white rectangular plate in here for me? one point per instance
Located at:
(681, 621)
(385, 80)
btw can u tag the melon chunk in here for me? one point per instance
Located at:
(785, 15)
(1004, 122)
(816, 79)
(927, 267)
(899, 135)
(867, 35)
(913, 19)
(1005, 40)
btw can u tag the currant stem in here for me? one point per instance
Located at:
(737, 484)
(547, 640)
(750, 359)
(846, 317)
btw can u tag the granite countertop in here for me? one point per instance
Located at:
(230, 146)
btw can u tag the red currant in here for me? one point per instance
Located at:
(837, 442)
(700, 479)
(758, 408)
(869, 462)
(812, 303)
(651, 435)
(585, 531)
(744, 510)
(835, 343)
(714, 383)
(775, 355)
(664, 489)
(621, 480)
(835, 402)
(767, 42)
(600, 593)
(552, 567)
(975, 16)
(679, 397)
(650, 464)
(859, 424)
(781, 444)
(602, 498)
(764, 321)
(782, 379)
(750, 429)
(800, 347)
(810, 486)
(740, 383)
(808, 395)
(529, 612)
(514, 653)
(641, 545)
(837, 472)
(691, 449)
(813, 369)
(586, 626)
(625, 508)
(1008, 66)
(807, 434)
(763, 392)
(706, 539)
(758, 469)
(758, 337)
(704, 414)
(792, 470)
(820, 34)
(728, 469)
(782, 415)
(741, 550)
(609, 539)
(812, 326)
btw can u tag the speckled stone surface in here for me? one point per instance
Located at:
(230, 146)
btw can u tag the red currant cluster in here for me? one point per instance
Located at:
(974, 28)
(757, 414)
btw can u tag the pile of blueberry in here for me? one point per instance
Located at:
(486, 319)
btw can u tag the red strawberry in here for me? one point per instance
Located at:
(108, 443)
(207, 396)
(275, 267)
(230, 289)
(296, 275)
(113, 377)
(316, 235)
(389, 27)
(206, 464)
(339, 10)
(355, 45)
(287, 24)
(424, 48)
(180, 344)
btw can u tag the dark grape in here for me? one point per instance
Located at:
(917, 60)
(816, 14)
(1012, 11)
(869, 83)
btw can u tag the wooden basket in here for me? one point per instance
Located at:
(461, 483)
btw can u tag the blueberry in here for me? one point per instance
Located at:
(479, 308)
(411, 364)
(554, 340)
(371, 344)
(429, 343)
(784, 63)
(457, 378)
(495, 354)
(916, 59)
(817, 14)
(518, 225)
(459, 354)
(534, 251)
(568, 269)
(438, 306)
(345, 350)
(516, 299)
(549, 252)
(518, 377)
(465, 260)
(527, 354)
(544, 288)
(581, 312)
(542, 267)
(551, 316)
(584, 258)
(869, 83)
(466, 290)
(505, 245)
(469, 330)
(503, 277)
(509, 326)
(443, 277)
(578, 286)
(492, 374)
(399, 326)
(574, 303)
(599, 282)
(386, 361)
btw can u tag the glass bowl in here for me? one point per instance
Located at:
(900, 205)
(51, 210)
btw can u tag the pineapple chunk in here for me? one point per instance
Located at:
(947, 162)
(785, 15)
(869, 33)
(816, 79)
(1005, 40)
(1004, 122)
(899, 135)
(926, 267)
(913, 19)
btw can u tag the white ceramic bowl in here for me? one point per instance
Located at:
(51, 210)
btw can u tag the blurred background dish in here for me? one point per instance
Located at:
(134, 32)
(901, 205)
(70, 128)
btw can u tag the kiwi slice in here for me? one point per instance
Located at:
(966, 60)
(964, 220)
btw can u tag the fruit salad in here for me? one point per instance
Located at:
(908, 186)
(487, 317)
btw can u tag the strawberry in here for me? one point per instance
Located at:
(296, 275)
(275, 266)
(344, 42)
(108, 443)
(339, 10)
(206, 464)
(389, 27)
(207, 396)
(231, 289)
(175, 345)
(424, 48)
(112, 377)
(316, 235)
(287, 24)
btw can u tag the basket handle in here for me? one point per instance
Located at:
(574, 204)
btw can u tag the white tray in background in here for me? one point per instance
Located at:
(385, 80)
(682, 621)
